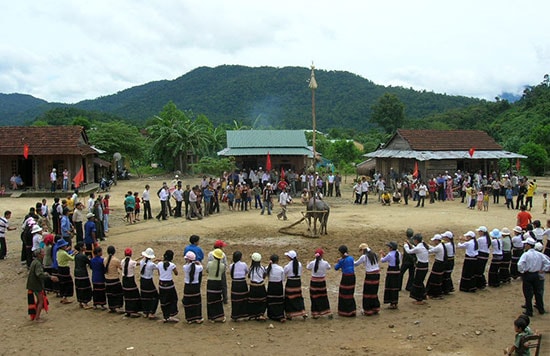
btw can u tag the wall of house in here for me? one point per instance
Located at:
(296, 163)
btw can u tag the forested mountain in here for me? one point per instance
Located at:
(262, 97)
(15, 108)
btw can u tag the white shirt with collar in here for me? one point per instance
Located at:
(419, 250)
(322, 268)
(438, 251)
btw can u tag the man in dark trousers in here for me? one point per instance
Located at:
(530, 264)
(409, 260)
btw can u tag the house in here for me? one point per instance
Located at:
(437, 151)
(287, 149)
(59, 147)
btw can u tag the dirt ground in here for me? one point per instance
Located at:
(460, 324)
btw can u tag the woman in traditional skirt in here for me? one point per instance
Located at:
(504, 270)
(418, 291)
(275, 290)
(393, 275)
(257, 296)
(371, 303)
(346, 300)
(239, 287)
(517, 251)
(294, 301)
(214, 299)
(81, 277)
(49, 285)
(132, 300)
(496, 245)
(434, 288)
(546, 233)
(113, 287)
(192, 303)
(66, 287)
(167, 291)
(483, 242)
(318, 295)
(148, 291)
(450, 249)
(469, 243)
(98, 278)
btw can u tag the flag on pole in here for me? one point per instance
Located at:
(282, 173)
(471, 152)
(518, 164)
(79, 178)
(415, 173)
(26, 151)
(268, 162)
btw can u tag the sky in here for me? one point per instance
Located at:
(67, 51)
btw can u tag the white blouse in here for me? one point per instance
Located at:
(240, 270)
(289, 271)
(165, 274)
(438, 251)
(149, 268)
(419, 250)
(187, 271)
(277, 273)
(368, 266)
(322, 268)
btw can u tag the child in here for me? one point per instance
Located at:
(544, 203)
(473, 194)
(230, 198)
(137, 207)
(98, 279)
(167, 291)
(521, 326)
(480, 200)
(486, 201)
(509, 197)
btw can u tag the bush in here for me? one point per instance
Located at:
(537, 158)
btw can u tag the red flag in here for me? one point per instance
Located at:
(282, 173)
(26, 151)
(471, 152)
(79, 178)
(268, 162)
(415, 173)
(518, 164)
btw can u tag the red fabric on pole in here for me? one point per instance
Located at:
(518, 164)
(471, 151)
(26, 151)
(415, 173)
(79, 178)
(268, 162)
(282, 173)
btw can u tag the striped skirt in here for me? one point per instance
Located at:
(294, 301)
(257, 300)
(66, 288)
(504, 270)
(418, 291)
(132, 299)
(435, 281)
(214, 300)
(149, 296)
(516, 254)
(346, 298)
(391, 287)
(319, 297)
(467, 279)
(49, 285)
(275, 301)
(168, 298)
(448, 286)
(99, 294)
(32, 301)
(83, 289)
(239, 298)
(482, 258)
(115, 295)
(192, 304)
(371, 304)
(494, 268)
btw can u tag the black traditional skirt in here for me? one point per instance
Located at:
(494, 280)
(418, 290)
(66, 288)
(294, 301)
(83, 289)
(371, 304)
(318, 295)
(49, 285)
(99, 294)
(482, 258)
(275, 301)
(214, 299)
(504, 270)
(391, 287)
(132, 299)
(346, 298)
(435, 281)
(467, 279)
(149, 296)
(115, 295)
(257, 300)
(516, 254)
(192, 304)
(239, 298)
(168, 298)
(547, 248)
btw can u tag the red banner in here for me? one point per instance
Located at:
(79, 178)
(26, 151)
(415, 173)
(518, 164)
(471, 152)
(268, 162)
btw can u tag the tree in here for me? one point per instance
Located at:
(388, 113)
(537, 157)
(118, 136)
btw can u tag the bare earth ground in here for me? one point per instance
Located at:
(461, 324)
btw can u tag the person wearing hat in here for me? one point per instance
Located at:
(257, 296)
(420, 249)
(294, 301)
(468, 242)
(267, 196)
(371, 304)
(484, 243)
(215, 269)
(132, 299)
(36, 296)
(90, 239)
(64, 257)
(192, 301)
(275, 290)
(530, 264)
(221, 244)
(148, 290)
(450, 250)
(408, 263)
(393, 274)
(346, 291)
(494, 267)
(36, 232)
(517, 251)
(318, 295)
(239, 287)
(434, 288)
(504, 270)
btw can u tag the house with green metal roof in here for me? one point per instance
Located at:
(287, 149)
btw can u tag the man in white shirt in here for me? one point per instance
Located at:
(284, 199)
(193, 204)
(364, 190)
(145, 198)
(53, 180)
(530, 264)
(164, 195)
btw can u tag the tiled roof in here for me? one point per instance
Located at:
(451, 140)
(266, 138)
(262, 151)
(46, 140)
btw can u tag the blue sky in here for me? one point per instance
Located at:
(67, 51)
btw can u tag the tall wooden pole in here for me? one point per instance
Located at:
(313, 86)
